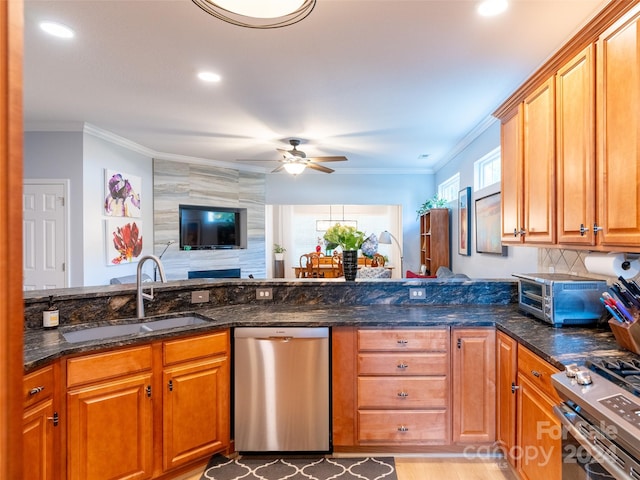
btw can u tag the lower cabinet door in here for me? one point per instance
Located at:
(195, 410)
(539, 455)
(110, 430)
(38, 444)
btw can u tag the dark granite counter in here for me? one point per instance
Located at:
(559, 346)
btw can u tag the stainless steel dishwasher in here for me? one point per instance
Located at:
(281, 396)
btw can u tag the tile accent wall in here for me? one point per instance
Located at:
(566, 261)
(195, 184)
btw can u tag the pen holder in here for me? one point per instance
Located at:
(627, 334)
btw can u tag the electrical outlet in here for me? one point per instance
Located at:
(200, 296)
(417, 293)
(264, 294)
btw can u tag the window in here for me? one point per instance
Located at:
(449, 188)
(486, 171)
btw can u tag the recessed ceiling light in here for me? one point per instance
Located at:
(490, 8)
(209, 77)
(57, 29)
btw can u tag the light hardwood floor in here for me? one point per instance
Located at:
(427, 468)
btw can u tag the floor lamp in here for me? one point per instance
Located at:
(386, 237)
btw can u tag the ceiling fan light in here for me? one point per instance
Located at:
(294, 168)
(490, 8)
(260, 8)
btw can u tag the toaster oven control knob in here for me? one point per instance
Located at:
(583, 377)
(571, 370)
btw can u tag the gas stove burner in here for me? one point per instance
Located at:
(623, 372)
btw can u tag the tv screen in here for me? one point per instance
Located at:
(207, 228)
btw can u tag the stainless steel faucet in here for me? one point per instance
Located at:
(148, 296)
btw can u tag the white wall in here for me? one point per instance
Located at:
(311, 188)
(482, 265)
(98, 155)
(58, 155)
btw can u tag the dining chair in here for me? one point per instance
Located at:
(336, 265)
(310, 265)
(376, 259)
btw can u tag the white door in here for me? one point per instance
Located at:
(44, 233)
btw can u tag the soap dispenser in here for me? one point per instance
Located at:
(50, 317)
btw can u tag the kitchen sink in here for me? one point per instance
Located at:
(110, 331)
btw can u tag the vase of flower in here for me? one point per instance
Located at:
(350, 264)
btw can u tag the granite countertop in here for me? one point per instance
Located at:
(559, 346)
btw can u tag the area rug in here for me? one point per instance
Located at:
(248, 468)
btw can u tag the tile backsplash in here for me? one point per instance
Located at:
(567, 261)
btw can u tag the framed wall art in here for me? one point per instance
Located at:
(464, 221)
(488, 225)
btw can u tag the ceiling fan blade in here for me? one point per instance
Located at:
(286, 153)
(339, 158)
(278, 169)
(256, 160)
(320, 168)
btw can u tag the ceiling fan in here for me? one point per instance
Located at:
(294, 161)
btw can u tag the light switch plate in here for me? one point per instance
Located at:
(200, 296)
(417, 293)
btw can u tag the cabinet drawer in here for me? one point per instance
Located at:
(37, 385)
(402, 393)
(403, 364)
(176, 351)
(434, 340)
(101, 366)
(398, 427)
(537, 371)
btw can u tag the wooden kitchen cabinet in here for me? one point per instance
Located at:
(435, 244)
(538, 429)
(618, 124)
(110, 415)
(196, 405)
(506, 383)
(403, 384)
(511, 176)
(575, 149)
(538, 165)
(40, 425)
(474, 376)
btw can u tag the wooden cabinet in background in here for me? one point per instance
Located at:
(196, 408)
(511, 172)
(506, 383)
(618, 117)
(435, 243)
(41, 425)
(474, 384)
(110, 415)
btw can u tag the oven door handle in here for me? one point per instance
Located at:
(600, 456)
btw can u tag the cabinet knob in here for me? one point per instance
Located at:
(170, 385)
(583, 230)
(403, 394)
(402, 342)
(536, 373)
(514, 387)
(403, 366)
(402, 428)
(596, 228)
(55, 419)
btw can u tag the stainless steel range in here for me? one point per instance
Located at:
(601, 419)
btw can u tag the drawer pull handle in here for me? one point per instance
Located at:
(536, 373)
(403, 366)
(403, 342)
(36, 390)
(403, 394)
(402, 428)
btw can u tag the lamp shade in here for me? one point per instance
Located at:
(385, 237)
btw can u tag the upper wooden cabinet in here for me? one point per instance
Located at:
(511, 141)
(575, 149)
(618, 64)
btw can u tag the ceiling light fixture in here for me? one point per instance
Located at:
(57, 29)
(209, 77)
(261, 14)
(490, 8)
(295, 167)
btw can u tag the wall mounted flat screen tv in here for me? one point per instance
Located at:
(209, 228)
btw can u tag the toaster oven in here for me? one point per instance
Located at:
(561, 299)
